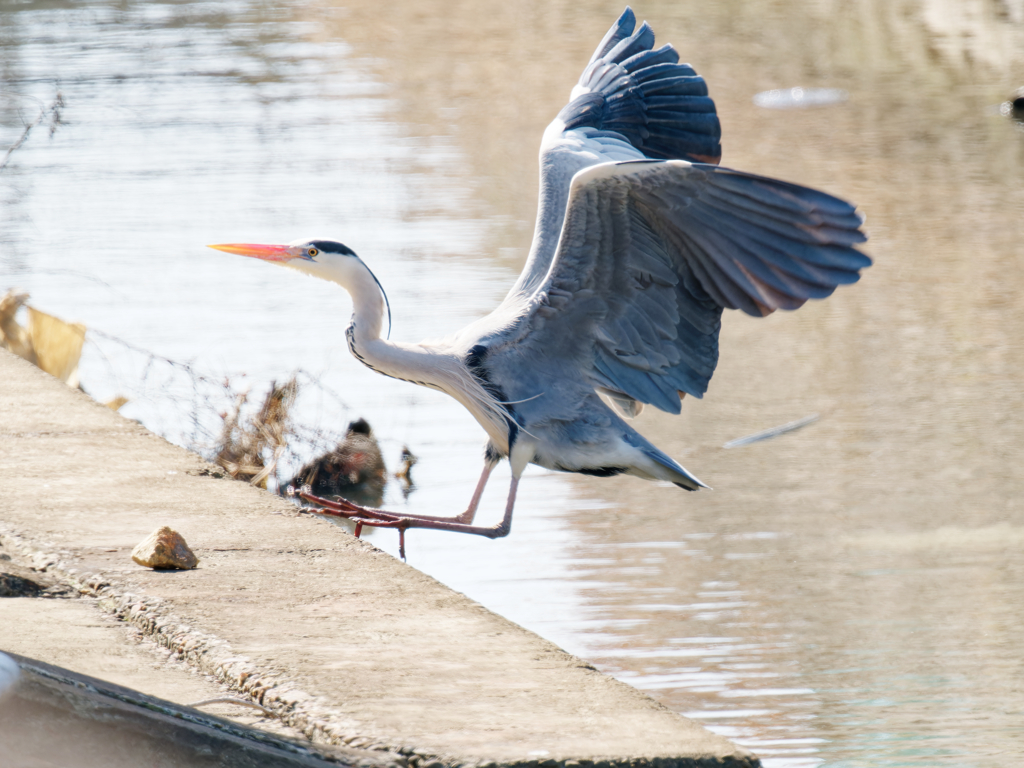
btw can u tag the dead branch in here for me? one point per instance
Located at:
(53, 111)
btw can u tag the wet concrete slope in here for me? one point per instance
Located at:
(349, 645)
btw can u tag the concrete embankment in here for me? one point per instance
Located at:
(345, 643)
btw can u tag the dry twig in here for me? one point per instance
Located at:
(53, 111)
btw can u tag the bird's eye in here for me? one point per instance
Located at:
(312, 252)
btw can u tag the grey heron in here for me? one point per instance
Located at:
(641, 241)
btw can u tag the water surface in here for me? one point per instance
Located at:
(850, 594)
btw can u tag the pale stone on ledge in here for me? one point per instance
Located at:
(165, 548)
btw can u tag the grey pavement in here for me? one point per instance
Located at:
(348, 645)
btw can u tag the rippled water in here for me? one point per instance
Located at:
(850, 594)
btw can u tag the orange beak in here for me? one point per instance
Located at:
(265, 252)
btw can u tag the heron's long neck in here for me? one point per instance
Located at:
(423, 364)
(367, 303)
(410, 362)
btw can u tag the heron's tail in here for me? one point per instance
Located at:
(659, 105)
(660, 466)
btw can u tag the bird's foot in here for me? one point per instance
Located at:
(378, 518)
(374, 518)
(345, 508)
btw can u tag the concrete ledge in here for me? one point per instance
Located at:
(346, 643)
(57, 717)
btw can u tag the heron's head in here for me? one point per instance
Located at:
(321, 258)
(326, 259)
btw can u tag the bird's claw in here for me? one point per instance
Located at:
(374, 518)
(378, 518)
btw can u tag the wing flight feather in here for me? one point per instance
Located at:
(642, 240)
(658, 250)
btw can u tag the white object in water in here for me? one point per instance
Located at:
(800, 98)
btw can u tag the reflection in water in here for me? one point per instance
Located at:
(850, 594)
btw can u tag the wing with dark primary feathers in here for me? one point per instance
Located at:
(650, 254)
(637, 252)
(661, 107)
(631, 102)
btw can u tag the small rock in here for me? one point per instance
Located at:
(165, 548)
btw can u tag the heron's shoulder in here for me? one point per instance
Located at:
(490, 331)
(582, 147)
(636, 171)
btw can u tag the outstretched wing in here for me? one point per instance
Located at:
(636, 252)
(632, 102)
(649, 255)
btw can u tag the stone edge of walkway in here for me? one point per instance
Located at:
(306, 713)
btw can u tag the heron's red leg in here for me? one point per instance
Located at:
(378, 518)
(466, 517)
(344, 508)
(448, 524)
